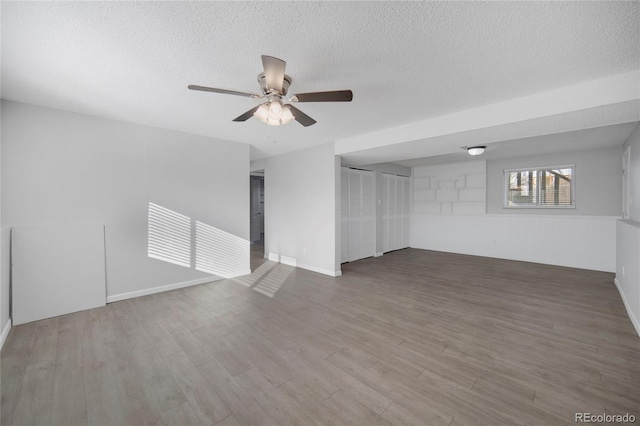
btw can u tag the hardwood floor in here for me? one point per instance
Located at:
(413, 337)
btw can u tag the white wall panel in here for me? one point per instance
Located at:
(5, 275)
(51, 276)
(450, 188)
(587, 242)
(628, 267)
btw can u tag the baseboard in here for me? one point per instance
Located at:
(288, 261)
(168, 287)
(321, 270)
(378, 254)
(5, 333)
(627, 306)
(273, 256)
(245, 272)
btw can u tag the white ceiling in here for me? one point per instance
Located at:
(600, 137)
(404, 61)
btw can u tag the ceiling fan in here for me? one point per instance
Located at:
(275, 84)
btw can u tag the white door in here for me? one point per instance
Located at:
(344, 214)
(395, 212)
(358, 223)
(368, 215)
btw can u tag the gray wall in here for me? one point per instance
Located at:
(379, 169)
(60, 167)
(598, 180)
(634, 177)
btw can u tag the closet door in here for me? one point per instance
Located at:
(355, 215)
(368, 242)
(392, 213)
(384, 212)
(357, 222)
(395, 212)
(406, 214)
(399, 203)
(344, 214)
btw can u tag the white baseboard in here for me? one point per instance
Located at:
(288, 261)
(634, 320)
(321, 270)
(5, 333)
(378, 254)
(168, 287)
(273, 256)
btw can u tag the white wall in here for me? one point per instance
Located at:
(60, 167)
(587, 242)
(628, 237)
(582, 238)
(598, 180)
(450, 188)
(628, 268)
(300, 208)
(5, 270)
(634, 177)
(5, 265)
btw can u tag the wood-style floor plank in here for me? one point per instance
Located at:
(410, 338)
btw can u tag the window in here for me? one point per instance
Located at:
(540, 187)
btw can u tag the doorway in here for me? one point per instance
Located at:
(256, 221)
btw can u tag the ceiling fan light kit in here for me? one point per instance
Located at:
(476, 150)
(274, 113)
(275, 85)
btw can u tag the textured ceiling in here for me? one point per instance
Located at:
(405, 61)
(600, 137)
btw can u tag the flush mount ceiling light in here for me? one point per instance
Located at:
(275, 84)
(476, 150)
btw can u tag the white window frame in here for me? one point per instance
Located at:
(505, 187)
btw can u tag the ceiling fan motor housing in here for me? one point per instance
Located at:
(267, 91)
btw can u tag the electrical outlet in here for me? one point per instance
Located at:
(304, 250)
(623, 275)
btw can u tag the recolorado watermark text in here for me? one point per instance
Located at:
(604, 418)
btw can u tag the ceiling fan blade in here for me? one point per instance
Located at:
(301, 117)
(223, 91)
(333, 96)
(274, 72)
(247, 115)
